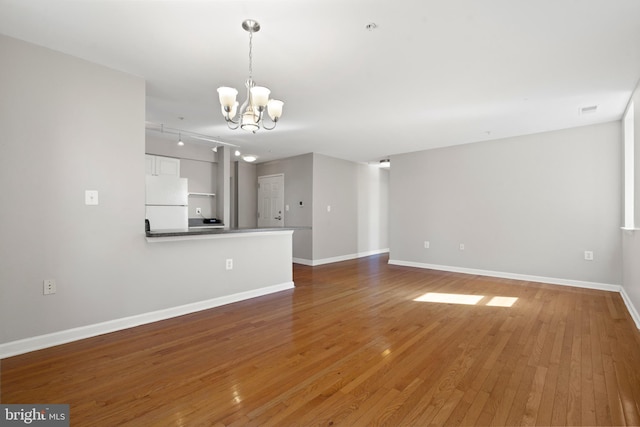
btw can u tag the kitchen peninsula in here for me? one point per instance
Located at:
(211, 233)
(108, 277)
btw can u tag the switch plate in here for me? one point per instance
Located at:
(286, 208)
(426, 244)
(588, 255)
(229, 264)
(91, 197)
(48, 286)
(328, 208)
(462, 246)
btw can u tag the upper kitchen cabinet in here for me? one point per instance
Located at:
(159, 165)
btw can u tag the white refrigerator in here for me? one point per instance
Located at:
(167, 202)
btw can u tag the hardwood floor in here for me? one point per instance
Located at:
(350, 345)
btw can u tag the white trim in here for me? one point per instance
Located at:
(540, 279)
(515, 276)
(49, 340)
(629, 229)
(315, 262)
(373, 252)
(630, 307)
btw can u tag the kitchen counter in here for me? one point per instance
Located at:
(196, 233)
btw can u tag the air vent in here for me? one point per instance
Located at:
(588, 110)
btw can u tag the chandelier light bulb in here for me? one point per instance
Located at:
(260, 96)
(227, 96)
(274, 109)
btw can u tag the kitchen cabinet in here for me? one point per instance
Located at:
(160, 165)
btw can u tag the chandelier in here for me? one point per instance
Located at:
(251, 112)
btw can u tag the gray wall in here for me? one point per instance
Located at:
(358, 195)
(335, 184)
(529, 205)
(246, 195)
(373, 208)
(224, 195)
(202, 178)
(631, 239)
(298, 186)
(77, 126)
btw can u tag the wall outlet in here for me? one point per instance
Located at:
(328, 208)
(588, 255)
(426, 244)
(48, 286)
(198, 211)
(229, 264)
(462, 246)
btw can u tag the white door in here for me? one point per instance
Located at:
(271, 201)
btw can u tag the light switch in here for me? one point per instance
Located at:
(91, 197)
(328, 208)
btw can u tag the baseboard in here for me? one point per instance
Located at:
(49, 340)
(515, 276)
(302, 261)
(630, 307)
(315, 262)
(540, 279)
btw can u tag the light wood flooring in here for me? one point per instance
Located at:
(351, 346)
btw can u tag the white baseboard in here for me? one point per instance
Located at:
(529, 278)
(315, 262)
(49, 340)
(302, 261)
(632, 310)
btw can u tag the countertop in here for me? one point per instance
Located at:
(201, 231)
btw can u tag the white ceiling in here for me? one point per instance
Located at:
(432, 74)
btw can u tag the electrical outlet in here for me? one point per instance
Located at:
(462, 246)
(198, 211)
(229, 264)
(426, 244)
(588, 255)
(48, 286)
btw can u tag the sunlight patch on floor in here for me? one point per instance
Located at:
(502, 301)
(450, 298)
(438, 297)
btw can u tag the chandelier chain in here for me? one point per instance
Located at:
(250, 55)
